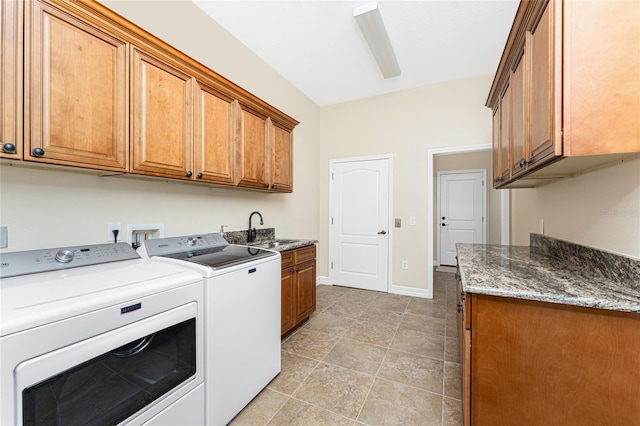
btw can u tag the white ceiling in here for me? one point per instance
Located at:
(317, 46)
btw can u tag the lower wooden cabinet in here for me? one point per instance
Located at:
(538, 363)
(298, 287)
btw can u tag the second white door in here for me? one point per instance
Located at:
(461, 216)
(359, 228)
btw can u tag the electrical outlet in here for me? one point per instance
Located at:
(541, 226)
(412, 220)
(111, 226)
(405, 264)
(398, 223)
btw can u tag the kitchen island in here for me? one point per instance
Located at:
(549, 334)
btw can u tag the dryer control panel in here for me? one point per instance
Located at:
(54, 259)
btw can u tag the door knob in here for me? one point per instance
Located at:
(382, 232)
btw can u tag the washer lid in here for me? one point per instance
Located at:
(223, 257)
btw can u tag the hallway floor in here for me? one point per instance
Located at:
(368, 358)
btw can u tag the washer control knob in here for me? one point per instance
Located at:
(64, 256)
(191, 241)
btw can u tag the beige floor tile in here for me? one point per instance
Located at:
(427, 307)
(370, 332)
(261, 409)
(452, 412)
(337, 389)
(451, 352)
(335, 325)
(413, 370)
(355, 355)
(310, 343)
(295, 413)
(452, 380)
(391, 302)
(294, 370)
(381, 316)
(346, 308)
(415, 342)
(424, 324)
(361, 297)
(392, 403)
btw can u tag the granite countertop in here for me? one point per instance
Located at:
(284, 245)
(531, 273)
(264, 239)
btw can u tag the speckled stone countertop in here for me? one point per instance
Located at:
(534, 273)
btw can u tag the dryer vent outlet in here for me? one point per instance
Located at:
(137, 234)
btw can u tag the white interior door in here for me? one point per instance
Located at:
(359, 224)
(462, 211)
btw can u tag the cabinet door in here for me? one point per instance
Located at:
(518, 116)
(540, 41)
(495, 147)
(75, 91)
(287, 318)
(11, 13)
(161, 118)
(251, 149)
(281, 169)
(214, 145)
(505, 132)
(305, 289)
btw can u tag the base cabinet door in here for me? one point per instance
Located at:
(287, 318)
(75, 109)
(305, 289)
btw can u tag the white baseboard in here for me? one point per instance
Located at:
(322, 280)
(411, 291)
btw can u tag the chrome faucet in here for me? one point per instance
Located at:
(252, 232)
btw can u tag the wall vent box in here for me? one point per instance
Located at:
(137, 234)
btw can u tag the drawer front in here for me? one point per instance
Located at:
(287, 259)
(305, 253)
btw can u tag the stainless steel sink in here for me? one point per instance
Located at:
(275, 243)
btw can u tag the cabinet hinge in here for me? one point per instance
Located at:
(483, 220)
(331, 265)
(331, 175)
(332, 221)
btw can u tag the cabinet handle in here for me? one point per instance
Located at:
(459, 308)
(199, 176)
(498, 179)
(297, 269)
(293, 270)
(273, 185)
(524, 162)
(189, 174)
(9, 148)
(266, 185)
(37, 152)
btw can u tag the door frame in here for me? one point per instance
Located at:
(505, 203)
(484, 206)
(389, 159)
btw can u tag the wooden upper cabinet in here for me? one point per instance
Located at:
(281, 169)
(519, 133)
(215, 130)
(575, 91)
(75, 109)
(545, 84)
(11, 14)
(161, 111)
(252, 149)
(506, 132)
(602, 91)
(496, 160)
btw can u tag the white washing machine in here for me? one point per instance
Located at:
(95, 335)
(242, 316)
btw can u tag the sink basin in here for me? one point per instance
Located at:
(275, 243)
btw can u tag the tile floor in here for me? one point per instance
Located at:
(368, 358)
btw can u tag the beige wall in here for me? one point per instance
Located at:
(469, 161)
(405, 125)
(47, 208)
(600, 209)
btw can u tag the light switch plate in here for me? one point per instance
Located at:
(398, 223)
(4, 237)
